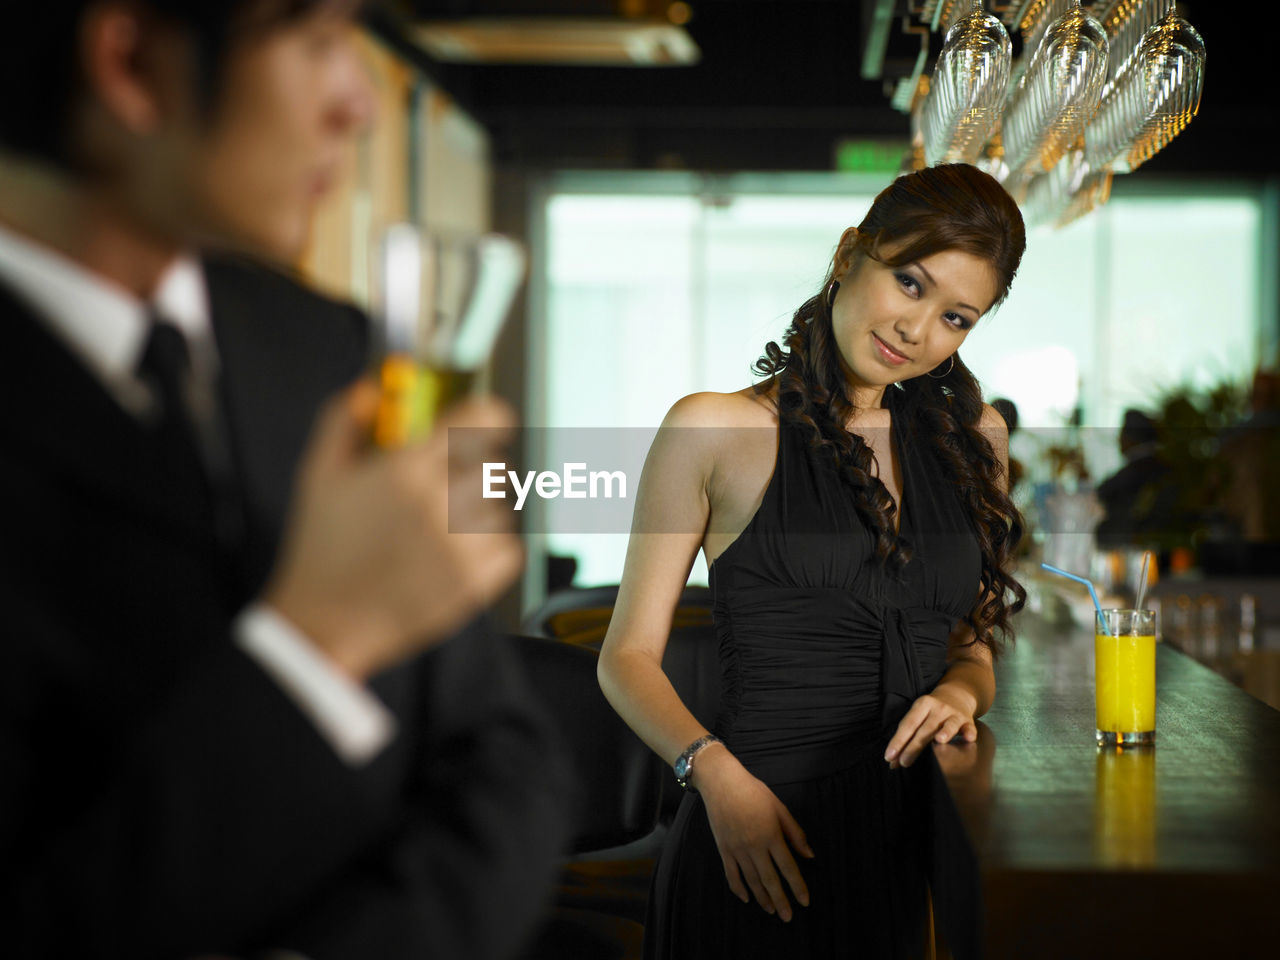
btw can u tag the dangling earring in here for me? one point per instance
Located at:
(939, 376)
(831, 293)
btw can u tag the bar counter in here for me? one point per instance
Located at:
(1047, 846)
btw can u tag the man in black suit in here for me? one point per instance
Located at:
(244, 703)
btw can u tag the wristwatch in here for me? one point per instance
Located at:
(684, 762)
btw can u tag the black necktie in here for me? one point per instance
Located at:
(195, 456)
(166, 367)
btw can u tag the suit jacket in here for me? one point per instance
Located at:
(160, 796)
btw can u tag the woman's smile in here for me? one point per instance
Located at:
(891, 356)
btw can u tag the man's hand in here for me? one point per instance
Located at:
(368, 569)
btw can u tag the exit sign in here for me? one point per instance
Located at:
(870, 156)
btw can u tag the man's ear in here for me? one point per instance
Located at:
(846, 253)
(115, 67)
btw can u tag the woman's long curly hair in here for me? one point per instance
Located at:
(948, 207)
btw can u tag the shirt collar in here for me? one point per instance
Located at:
(102, 323)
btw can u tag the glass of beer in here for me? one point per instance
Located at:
(440, 301)
(1125, 677)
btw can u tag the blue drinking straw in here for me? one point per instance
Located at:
(1071, 576)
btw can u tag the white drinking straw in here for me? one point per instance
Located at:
(1092, 593)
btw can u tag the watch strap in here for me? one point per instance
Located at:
(684, 763)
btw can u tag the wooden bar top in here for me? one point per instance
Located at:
(1046, 845)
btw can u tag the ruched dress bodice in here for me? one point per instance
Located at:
(822, 651)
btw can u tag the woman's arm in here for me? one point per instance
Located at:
(753, 830)
(970, 677)
(671, 514)
(968, 688)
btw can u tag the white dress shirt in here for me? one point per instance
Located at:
(106, 327)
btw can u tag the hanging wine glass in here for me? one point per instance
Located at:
(1057, 96)
(1152, 100)
(1126, 23)
(967, 90)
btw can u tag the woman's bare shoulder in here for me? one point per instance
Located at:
(742, 408)
(992, 423)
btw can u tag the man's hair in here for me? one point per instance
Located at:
(40, 62)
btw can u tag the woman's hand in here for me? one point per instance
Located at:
(939, 717)
(754, 832)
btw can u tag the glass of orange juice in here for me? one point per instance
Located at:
(1124, 648)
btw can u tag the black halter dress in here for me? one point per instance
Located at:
(822, 652)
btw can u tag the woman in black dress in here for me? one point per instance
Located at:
(854, 513)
